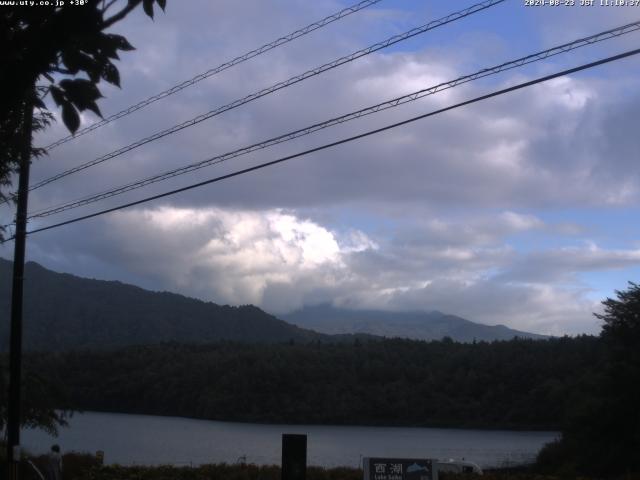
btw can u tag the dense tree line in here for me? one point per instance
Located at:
(508, 384)
(602, 431)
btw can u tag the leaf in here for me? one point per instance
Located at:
(38, 103)
(94, 73)
(71, 61)
(70, 117)
(108, 46)
(93, 106)
(147, 5)
(84, 62)
(120, 42)
(57, 95)
(162, 4)
(82, 93)
(80, 90)
(110, 74)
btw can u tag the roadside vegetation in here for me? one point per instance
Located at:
(86, 467)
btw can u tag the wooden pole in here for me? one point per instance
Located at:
(15, 346)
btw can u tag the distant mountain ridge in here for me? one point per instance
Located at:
(415, 325)
(66, 312)
(63, 311)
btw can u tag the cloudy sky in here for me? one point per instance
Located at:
(520, 210)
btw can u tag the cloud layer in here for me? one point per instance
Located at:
(281, 261)
(469, 212)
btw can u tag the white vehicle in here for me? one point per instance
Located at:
(458, 466)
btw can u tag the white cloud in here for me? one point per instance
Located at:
(565, 263)
(280, 260)
(238, 255)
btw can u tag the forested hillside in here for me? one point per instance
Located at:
(514, 384)
(66, 312)
(63, 312)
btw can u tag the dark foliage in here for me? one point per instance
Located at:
(514, 384)
(69, 52)
(75, 465)
(213, 472)
(63, 42)
(602, 434)
(39, 394)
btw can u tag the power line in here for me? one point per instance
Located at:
(278, 86)
(340, 142)
(608, 34)
(224, 66)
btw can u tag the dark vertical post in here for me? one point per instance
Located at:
(15, 346)
(294, 457)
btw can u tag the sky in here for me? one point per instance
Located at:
(519, 210)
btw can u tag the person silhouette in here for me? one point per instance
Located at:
(54, 464)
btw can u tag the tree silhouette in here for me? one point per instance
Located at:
(67, 49)
(602, 435)
(621, 380)
(40, 394)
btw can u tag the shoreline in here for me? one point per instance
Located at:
(443, 426)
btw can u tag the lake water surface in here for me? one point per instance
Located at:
(150, 440)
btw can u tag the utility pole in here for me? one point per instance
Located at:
(15, 346)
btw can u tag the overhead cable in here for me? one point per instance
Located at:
(278, 86)
(224, 66)
(608, 34)
(339, 142)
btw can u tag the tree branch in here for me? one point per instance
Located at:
(107, 6)
(120, 15)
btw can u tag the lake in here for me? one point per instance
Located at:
(151, 440)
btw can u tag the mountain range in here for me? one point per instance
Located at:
(417, 325)
(64, 312)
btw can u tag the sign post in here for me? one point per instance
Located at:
(294, 457)
(399, 469)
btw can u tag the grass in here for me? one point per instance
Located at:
(204, 472)
(80, 466)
